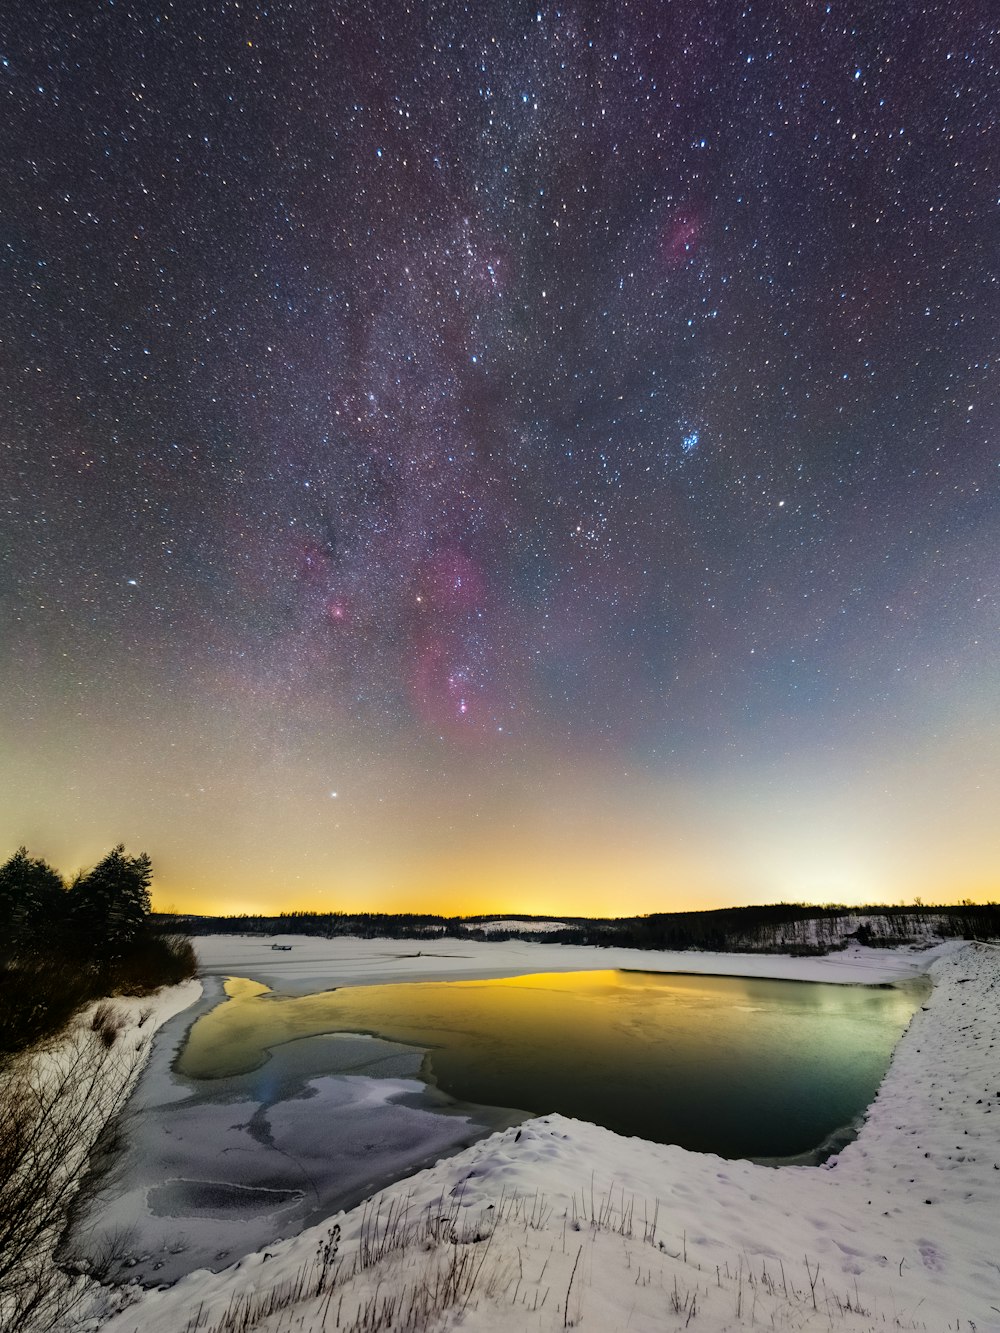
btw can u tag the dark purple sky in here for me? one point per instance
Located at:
(569, 434)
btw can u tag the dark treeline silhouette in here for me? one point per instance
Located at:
(789, 928)
(365, 925)
(62, 945)
(776, 927)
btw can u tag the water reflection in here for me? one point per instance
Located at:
(741, 1067)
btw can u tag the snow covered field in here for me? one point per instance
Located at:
(311, 963)
(559, 1224)
(532, 927)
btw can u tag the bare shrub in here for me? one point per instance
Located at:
(152, 961)
(55, 1104)
(38, 998)
(107, 1022)
(41, 995)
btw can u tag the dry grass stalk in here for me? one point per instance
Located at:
(56, 1103)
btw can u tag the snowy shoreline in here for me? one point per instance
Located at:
(901, 1225)
(301, 964)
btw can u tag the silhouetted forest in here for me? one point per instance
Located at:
(64, 944)
(777, 927)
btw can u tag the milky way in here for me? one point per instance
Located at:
(434, 427)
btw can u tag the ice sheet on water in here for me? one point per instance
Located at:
(213, 1198)
(233, 1164)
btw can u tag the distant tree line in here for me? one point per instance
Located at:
(327, 925)
(795, 927)
(776, 927)
(63, 944)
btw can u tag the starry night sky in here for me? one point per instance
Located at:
(482, 456)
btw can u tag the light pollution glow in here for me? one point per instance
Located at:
(527, 834)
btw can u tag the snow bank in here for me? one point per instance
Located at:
(561, 1223)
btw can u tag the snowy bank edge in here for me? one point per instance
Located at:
(566, 1140)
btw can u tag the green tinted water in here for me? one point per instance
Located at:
(719, 1064)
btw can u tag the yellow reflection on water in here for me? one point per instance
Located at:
(588, 1019)
(735, 1065)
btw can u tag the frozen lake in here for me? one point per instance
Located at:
(736, 1066)
(278, 1109)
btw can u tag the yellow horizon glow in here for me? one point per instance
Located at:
(532, 903)
(528, 832)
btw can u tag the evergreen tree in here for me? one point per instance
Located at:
(32, 907)
(110, 904)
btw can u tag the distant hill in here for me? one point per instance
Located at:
(774, 928)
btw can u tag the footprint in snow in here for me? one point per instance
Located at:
(930, 1255)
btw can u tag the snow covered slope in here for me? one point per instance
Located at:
(563, 1224)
